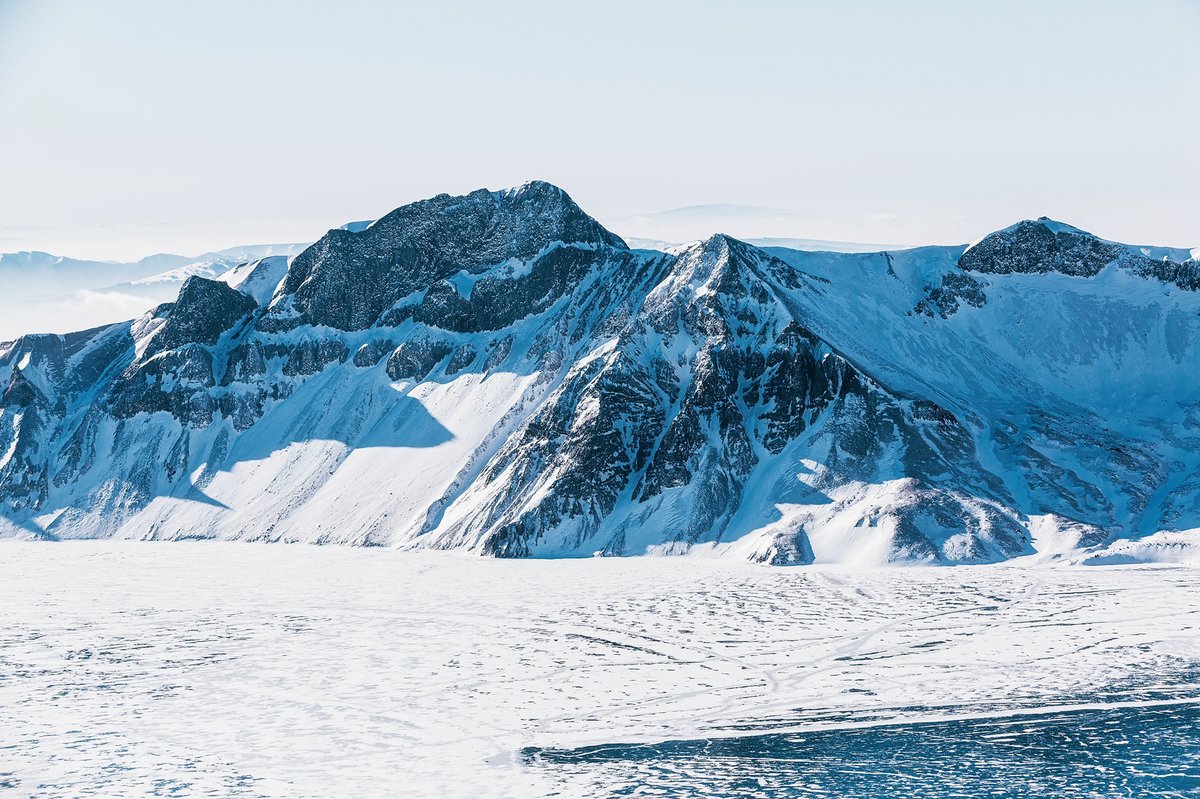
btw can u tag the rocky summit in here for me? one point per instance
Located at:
(499, 373)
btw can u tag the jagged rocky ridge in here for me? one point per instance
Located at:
(499, 373)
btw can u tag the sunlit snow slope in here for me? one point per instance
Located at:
(499, 373)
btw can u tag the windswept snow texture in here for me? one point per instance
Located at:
(498, 373)
(135, 669)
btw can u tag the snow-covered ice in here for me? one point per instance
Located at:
(234, 669)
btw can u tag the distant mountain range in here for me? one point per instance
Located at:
(499, 373)
(762, 227)
(47, 293)
(52, 294)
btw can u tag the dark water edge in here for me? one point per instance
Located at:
(1149, 751)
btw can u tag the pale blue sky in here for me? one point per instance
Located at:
(130, 127)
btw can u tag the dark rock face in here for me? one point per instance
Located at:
(462, 358)
(414, 360)
(246, 363)
(205, 309)
(20, 393)
(176, 382)
(23, 479)
(45, 377)
(956, 289)
(1184, 274)
(175, 371)
(347, 280)
(1034, 248)
(373, 352)
(309, 357)
(498, 300)
(658, 401)
(681, 435)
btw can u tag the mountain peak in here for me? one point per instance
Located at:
(1055, 226)
(534, 188)
(1029, 226)
(1039, 246)
(348, 279)
(204, 310)
(723, 243)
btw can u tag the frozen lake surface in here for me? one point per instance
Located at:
(226, 669)
(1138, 751)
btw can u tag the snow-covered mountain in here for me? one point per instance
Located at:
(499, 373)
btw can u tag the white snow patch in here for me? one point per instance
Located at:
(1180, 546)
(295, 671)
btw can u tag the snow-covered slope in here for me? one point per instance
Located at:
(499, 373)
(1071, 359)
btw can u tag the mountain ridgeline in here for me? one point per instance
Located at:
(498, 373)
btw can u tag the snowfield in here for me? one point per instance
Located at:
(234, 669)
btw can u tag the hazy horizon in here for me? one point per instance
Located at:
(668, 226)
(145, 127)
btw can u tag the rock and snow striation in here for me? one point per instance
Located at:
(499, 373)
